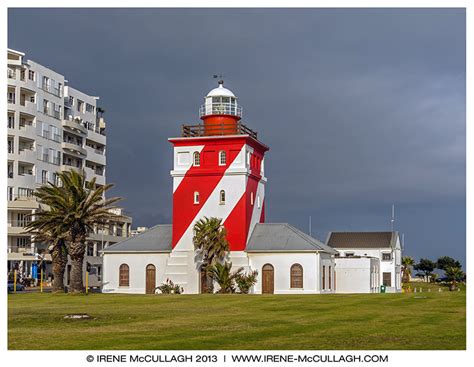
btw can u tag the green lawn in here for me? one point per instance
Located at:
(373, 321)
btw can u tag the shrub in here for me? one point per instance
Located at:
(246, 281)
(169, 287)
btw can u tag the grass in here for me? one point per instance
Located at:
(372, 321)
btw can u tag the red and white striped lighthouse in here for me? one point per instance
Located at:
(218, 172)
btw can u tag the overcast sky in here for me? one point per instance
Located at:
(360, 108)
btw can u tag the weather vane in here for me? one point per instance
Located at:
(220, 78)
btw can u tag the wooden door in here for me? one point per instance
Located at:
(150, 279)
(268, 279)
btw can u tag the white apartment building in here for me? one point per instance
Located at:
(52, 127)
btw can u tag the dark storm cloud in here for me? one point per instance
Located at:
(360, 108)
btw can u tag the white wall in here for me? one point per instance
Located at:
(282, 262)
(391, 266)
(357, 275)
(137, 263)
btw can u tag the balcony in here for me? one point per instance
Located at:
(69, 167)
(27, 154)
(74, 149)
(189, 131)
(75, 126)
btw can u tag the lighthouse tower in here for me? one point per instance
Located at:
(218, 171)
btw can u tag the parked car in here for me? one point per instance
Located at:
(19, 287)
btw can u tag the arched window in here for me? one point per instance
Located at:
(196, 159)
(222, 158)
(222, 197)
(124, 275)
(196, 197)
(296, 276)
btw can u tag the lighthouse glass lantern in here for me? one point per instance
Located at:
(220, 112)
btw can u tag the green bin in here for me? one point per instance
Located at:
(382, 288)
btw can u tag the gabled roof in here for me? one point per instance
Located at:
(155, 239)
(365, 240)
(282, 237)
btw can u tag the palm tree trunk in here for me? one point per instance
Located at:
(76, 252)
(59, 260)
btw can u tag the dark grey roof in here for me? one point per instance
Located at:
(155, 239)
(282, 237)
(363, 240)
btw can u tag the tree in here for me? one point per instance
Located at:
(407, 263)
(210, 241)
(222, 275)
(454, 275)
(447, 262)
(426, 267)
(57, 249)
(75, 208)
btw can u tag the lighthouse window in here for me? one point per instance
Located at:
(222, 197)
(258, 201)
(222, 158)
(196, 197)
(196, 159)
(251, 198)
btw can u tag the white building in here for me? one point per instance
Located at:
(382, 264)
(219, 171)
(51, 128)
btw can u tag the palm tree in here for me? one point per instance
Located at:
(222, 275)
(210, 241)
(57, 249)
(75, 209)
(454, 275)
(407, 263)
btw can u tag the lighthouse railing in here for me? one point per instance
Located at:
(189, 131)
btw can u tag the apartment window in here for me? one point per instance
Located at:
(196, 159)
(296, 276)
(386, 256)
(222, 197)
(222, 158)
(70, 101)
(22, 242)
(44, 177)
(22, 219)
(11, 146)
(349, 254)
(80, 105)
(9, 193)
(11, 74)
(11, 97)
(11, 121)
(31, 75)
(24, 192)
(124, 275)
(196, 197)
(46, 82)
(10, 170)
(324, 277)
(22, 75)
(89, 108)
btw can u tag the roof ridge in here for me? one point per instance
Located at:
(300, 233)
